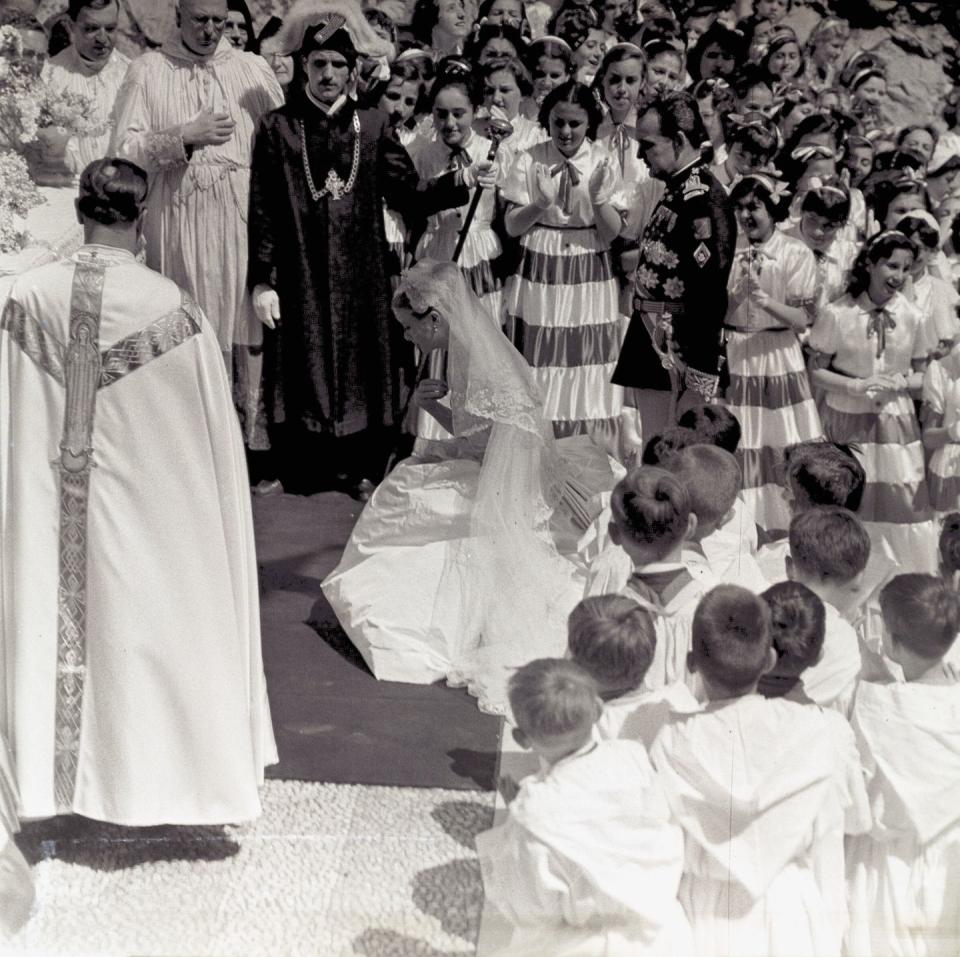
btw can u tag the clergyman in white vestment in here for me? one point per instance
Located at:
(186, 113)
(134, 689)
(92, 67)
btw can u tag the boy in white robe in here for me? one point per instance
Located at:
(713, 479)
(587, 861)
(737, 534)
(613, 639)
(903, 875)
(797, 630)
(651, 520)
(764, 790)
(829, 551)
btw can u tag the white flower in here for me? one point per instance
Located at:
(673, 288)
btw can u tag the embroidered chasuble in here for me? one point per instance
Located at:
(128, 611)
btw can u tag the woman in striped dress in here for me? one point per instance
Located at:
(773, 286)
(869, 350)
(453, 101)
(561, 305)
(454, 97)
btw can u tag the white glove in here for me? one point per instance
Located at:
(545, 188)
(266, 305)
(954, 431)
(482, 173)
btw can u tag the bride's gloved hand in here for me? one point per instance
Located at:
(430, 389)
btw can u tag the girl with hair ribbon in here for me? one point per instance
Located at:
(869, 350)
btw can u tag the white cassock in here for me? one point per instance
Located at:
(587, 862)
(68, 71)
(196, 225)
(764, 791)
(129, 615)
(904, 874)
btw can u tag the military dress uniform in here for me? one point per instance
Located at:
(680, 294)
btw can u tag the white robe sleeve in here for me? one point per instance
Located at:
(133, 138)
(522, 877)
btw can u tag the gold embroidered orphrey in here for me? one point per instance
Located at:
(83, 370)
(82, 379)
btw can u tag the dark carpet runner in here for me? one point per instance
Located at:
(333, 720)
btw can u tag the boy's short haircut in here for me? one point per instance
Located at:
(797, 626)
(553, 697)
(828, 542)
(950, 543)
(827, 473)
(651, 507)
(712, 477)
(613, 639)
(922, 613)
(731, 637)
(714, 424)
(665, 443)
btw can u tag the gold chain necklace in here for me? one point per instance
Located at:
(333, 185)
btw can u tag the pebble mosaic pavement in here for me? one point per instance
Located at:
(327, 871)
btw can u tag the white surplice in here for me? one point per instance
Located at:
(764, 790)
(196, 225)
(129, 614)
(903, 875)
(69, 72)
(587, 861)
(639, 715)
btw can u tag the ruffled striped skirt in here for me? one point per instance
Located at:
(769, 393)
(477, 263)
(563, 315)
(895, 504)
(943, 478)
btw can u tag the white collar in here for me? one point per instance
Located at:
(328, 109)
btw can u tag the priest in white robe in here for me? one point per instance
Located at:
(92, 67)
(186, 113)
(134, 689)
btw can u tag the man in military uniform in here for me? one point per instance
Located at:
(672, 351)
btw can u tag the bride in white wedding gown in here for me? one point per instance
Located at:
(463, 564)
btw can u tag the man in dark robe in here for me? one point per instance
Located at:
(336, 366)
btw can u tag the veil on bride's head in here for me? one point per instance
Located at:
(506, 572)
(489, 381)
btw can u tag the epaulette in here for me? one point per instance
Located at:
(694, 186)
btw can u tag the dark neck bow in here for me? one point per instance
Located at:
(458, 158)
(569, 178)
(660, 588)
(620, 140)
(881, 321)
(753, 257)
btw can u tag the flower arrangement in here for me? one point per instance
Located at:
(18, 195)
(28, 105)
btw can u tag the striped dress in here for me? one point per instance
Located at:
(439, 240)
(941, 408)
(769, 389)
(561, 305)
(895, 502)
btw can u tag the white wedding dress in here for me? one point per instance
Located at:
(464, 564)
